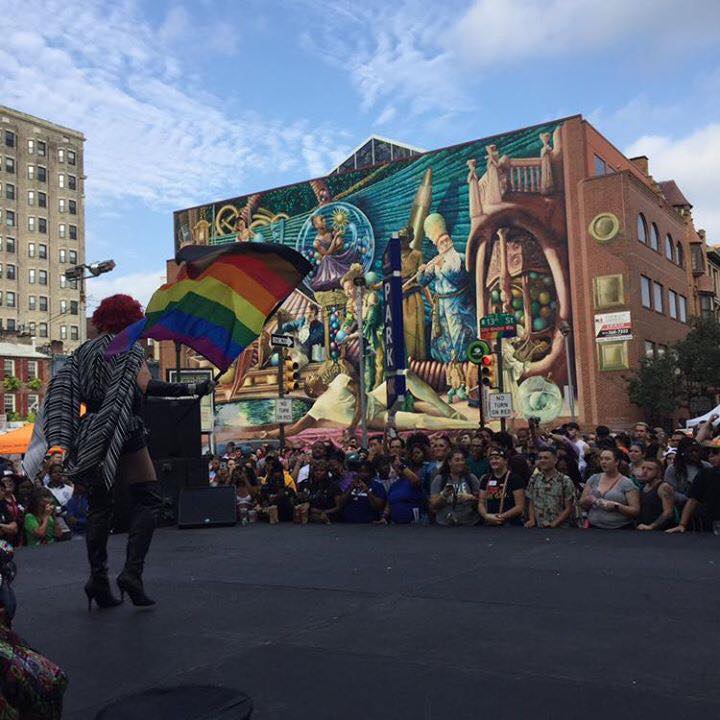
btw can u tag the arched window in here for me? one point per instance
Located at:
(680, 255)
(654, 237)
(669, 248)
(642, 229)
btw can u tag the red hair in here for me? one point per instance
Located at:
(116, 312)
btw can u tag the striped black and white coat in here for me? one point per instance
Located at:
(108, 386)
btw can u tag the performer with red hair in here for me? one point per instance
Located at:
(110, 440)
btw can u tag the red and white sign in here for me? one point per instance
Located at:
(613, 326)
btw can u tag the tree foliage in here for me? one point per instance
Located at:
(698, 358)
(654, 387)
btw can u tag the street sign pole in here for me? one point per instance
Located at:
(281, 393)
(361, 348)
(503, 423)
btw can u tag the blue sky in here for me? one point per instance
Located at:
(183, 103)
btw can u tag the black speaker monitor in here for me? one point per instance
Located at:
(206, 507)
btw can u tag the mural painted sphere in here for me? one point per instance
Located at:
(356, 231)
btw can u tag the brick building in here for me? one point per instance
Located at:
(26, 372)
(625, 267)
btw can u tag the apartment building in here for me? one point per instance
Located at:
(42, 229)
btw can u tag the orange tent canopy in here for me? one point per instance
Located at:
(16, 441)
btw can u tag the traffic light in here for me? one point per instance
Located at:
(291, 375)
(487, 371)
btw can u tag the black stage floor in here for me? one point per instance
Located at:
(402, 622)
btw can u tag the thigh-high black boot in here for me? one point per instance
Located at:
(145, 503)
(99, 521)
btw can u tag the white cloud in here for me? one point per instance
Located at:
(692, 161)
(427, 55)
(151, 134)
(140, 285)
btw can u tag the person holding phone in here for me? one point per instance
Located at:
(40, 525)
(454, 492)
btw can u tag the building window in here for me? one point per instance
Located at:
(71, 157)
(661, 350)
(31, 250)
(73, 232)
(63, 307)
(31, 147)
(11, 325)
(74, 307)
(10, 299)
(669, 248)
(672, 304)
(32, 369)
(61, 180)
(31, 172)
(42, 330)
(42, 226)
(42, 251)
(9, 139)
(41, 147)
(9, 165)
(680, 255)
(72, 255)
(599, 165)
(642, 229)
(72, 207)
(10, 245)
(63, 282)
(33, 402)
(9, 191)
(706, 305)
(649, 349)
(8, 368)
(654, 237)
(72, 182)
(31, 197)
(9, 403)
(31, 223)
(10, 218)
(32, 303)
(657, 297)
(61, 204)
(42, 277)
(31, 276)
(61, 155)
(42, 200)
(682, 308)
(63, 332)
(63, 255)
(613, 355)
(0, 270)
(74, 332)
(645, 291)
(10, 272)
(43, 303)
(61, 230)
(31, 327)
(696, 256)
(41, 173)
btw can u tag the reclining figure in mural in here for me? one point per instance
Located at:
(453, 317)
(337, 404)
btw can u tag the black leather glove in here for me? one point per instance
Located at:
(205, 387)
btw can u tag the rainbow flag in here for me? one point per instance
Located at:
(220, 300)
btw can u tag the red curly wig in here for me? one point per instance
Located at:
(116, 312)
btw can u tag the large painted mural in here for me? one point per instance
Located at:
(483, 230)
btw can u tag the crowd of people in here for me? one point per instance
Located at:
(533, 477)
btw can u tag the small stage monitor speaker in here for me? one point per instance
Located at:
(206, 507)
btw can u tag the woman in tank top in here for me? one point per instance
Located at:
(657, 498)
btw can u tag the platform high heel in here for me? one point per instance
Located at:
(98, 589)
